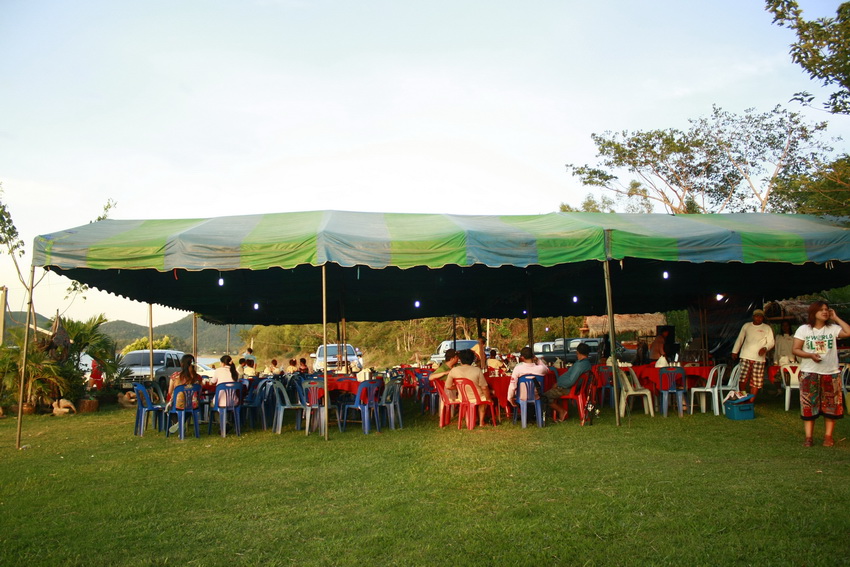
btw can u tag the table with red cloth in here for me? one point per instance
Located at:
(648, 376)
(499, 383)
(774, 371)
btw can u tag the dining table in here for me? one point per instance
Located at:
(649, 376)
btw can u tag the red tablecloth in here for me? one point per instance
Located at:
(773, 373)
(648, 375)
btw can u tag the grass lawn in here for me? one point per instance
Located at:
(701, 490)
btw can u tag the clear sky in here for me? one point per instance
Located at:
(200, 108)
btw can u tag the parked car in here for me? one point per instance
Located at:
(204, 370)
(165, 363)
(337, 357)
(545, 352)
(440, 356)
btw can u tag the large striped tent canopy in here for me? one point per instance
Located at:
(266, 269)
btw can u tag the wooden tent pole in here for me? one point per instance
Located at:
(24, 360)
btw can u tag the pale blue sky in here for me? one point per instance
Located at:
(206, 108)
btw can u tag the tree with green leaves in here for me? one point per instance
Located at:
(825, 192)
(822, 49)
(724, 162)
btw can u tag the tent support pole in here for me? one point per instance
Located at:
(454, 331)
(195, 336)
(150, 341)
(529, 322)
(24, 361)
(324, 345)
(612, 342)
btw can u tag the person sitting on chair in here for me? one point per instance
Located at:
(567, 380)
(494, 363)
(467, 369)
(528, 364)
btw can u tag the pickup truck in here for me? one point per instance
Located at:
(440, 356)
(623, 354)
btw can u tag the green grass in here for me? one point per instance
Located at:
(702, 490)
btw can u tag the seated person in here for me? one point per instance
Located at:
(527, 365)
(443, 370)
(249, 371)
(466, 369)
(302, 366)
(292, 368)
(568, 379)
(494, 363)
(272, 369)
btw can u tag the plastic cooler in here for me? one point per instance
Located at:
(740, 409)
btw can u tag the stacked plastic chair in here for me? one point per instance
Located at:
(669, 387)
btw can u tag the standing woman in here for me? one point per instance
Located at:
(821, 390)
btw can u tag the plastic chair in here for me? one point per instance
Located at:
(845, 378)
(408, 388)
(391, 402)
(281, 404)
(427, 393)
(668, 385)
(144, 406)
(469, 402)
(631, 388)
(310, 392)
(791, 379)
(578, 394)
(191, 406)
(155, 392)
(604, 383)
(255, 402)
(366, 402)
(227, 399)
(711, 388)
(529, 385)
(730, 385)
(446, 404)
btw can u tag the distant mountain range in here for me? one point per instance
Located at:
(211, 338)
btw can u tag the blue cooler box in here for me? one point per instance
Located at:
(742, 408)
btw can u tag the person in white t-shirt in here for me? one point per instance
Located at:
(821, 390)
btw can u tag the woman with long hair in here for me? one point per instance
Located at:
(186, 376)
(821, 390)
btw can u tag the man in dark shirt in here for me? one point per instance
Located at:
(568, 379)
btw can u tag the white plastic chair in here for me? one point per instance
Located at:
(632, 388)
(791, 379)
(711, 388)
(845, 378)
(731, 385)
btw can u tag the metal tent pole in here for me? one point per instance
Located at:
(612, 344)
(324, 345)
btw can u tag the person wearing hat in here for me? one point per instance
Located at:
(753, 342)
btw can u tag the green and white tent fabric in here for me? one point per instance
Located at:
(379, 265)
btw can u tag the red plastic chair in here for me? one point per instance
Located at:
(447, 404)
(408, 387)
(579, 394)
(470, 400)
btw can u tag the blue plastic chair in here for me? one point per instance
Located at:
(427, 392)
(227, 399)
(530, 385)
(190, 394)
(391, 402)
(144, 406)
(281, 404)
(366, 402)
(668, 386)
(255, 402)
(605, 384)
